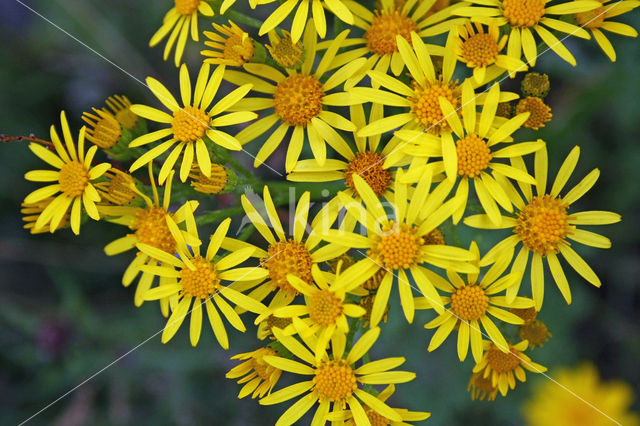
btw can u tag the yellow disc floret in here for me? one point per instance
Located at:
(502, 362)
(543, 224)
(284, 51)
(473, 156)
(187, 7)
(73, 179)
(189, 124)
(377, 419)
(540, 113)
(260, 366)
(335, 381)
(536, 333)
(398, 247)
(434, 237)
(480, 50)
(425, 103)
(368, 165)
(469, 302)
(288, 257)
(298, 99)
(151, 228)
(385, 27)
(523, 13)
(527, 314)
(325, 307)
(535, 84)
(202, 282)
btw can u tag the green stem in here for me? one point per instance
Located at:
(240, 169)
(217, 215)
(241, 18)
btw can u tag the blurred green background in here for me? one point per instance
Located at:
(64, 315)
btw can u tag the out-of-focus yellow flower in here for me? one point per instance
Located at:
(73, 187)
(181, 20)
(190, 123)
(536, 333)
(544, 225)
(578, 397)
(539, 112)
(535, 84)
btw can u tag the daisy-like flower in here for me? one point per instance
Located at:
(539, 112)
(191, 122)
(471, 150)
(543, 224)
(337, 7)
(149, 225)
(120, 107)
(384, 24)
(258, 376)
(366, 161)
(284, 51)
(375, 418)
(181, 20)
(33, 211)
(479, 50)
(117, 188)
(287, 253)
(73, 180)
(473, 303)
(597, 20)
(198, 281)
(104, 129)
(503, 368)
(551, 403)
(229, 44)
(523, 16)
(333, 382)
(536, 333)
(400, 245)
(481, 387)
(324, 311)
(299, 101)
(214, 184)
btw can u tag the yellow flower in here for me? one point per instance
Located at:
(337, 7)
(596, 20)
(104, 129)
(377, 419)
(536, 333)
(120, 108)
(479, 50)
(539, 112)
(230, 45)
(400, 245)
(543, 225)
(482, 387)
(284, 51)
(472, 157)
(472, 303)
(333, 381)
(33, 211)
(181, 20)
(535, 84)
(556, 403)
(150, 225)
(523, 16)
(260, 377)
(73, 180)
(299, 101)
(288, 252)
(503, 368)
(324, 308)
(199, 279)
(213, 184)
(387, 22)
(117, 189)
(190, 123)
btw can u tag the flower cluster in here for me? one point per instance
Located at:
(393, 131)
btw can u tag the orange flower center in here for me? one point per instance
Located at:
(377, 419)
(106, 132)
(527, 314)
(288, 257)
(523, 13)
(238, 48)
(503, 362)
(543, 224)
(434, 237)
(118, 189)
(540, 112)
(189, 124)
(425, 103)
(259, 365)
(368, 165)
(285, 52)
(73, 179)
(187, 7)
(202, 282)
(473, 156)
(535, 332)
(480, 50)
(469, 302)
(335, 380)
(385, 26)
(325, 307)
(398, 247)
(298, 99)
(152, 229)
